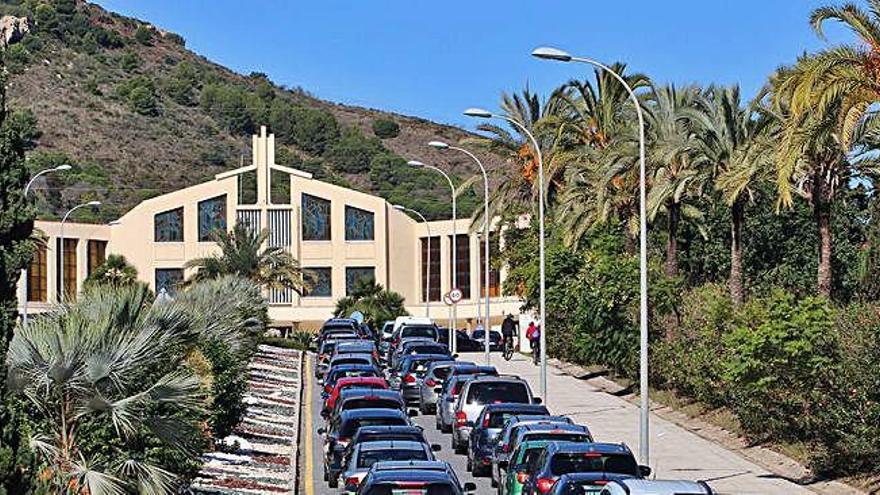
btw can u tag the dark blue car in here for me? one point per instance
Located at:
(487, 427)
(429, 477)
(562, 458)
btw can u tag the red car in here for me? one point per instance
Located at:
(353, 382)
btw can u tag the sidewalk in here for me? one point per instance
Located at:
(675, 452)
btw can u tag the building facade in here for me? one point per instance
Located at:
(338, 235)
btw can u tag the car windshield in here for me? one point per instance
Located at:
(592, 462)
(371, 403)
(442, 373)
(419, 331)
(410, 488)
(368, 458)
(399, 437)
(354, 373)
(351, 426)
(352, 360)
(558, 437)
(371, 386)
(498, 392)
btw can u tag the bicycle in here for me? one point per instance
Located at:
(536, 351)
(507, 352)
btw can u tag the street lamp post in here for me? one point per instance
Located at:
(548, 53)
(428, 249)
(61, 236)
(440, 145)
(452, 343)
(27, 281)
(485, 114)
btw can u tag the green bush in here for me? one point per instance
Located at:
(310, 129)
(139, 94)
(143, 35)
(353, 152)
(129, 61)
(235, 108)
(386, 128)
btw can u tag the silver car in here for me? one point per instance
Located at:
(478, 392)
(656, 487)
(365, 454)
(445, 415)
(432, 383)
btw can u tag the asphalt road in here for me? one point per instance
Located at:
(312, 475)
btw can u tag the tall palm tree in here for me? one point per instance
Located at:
(734, 142)
(242, 253)
(677, 175)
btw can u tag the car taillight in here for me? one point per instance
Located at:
(352, 481)
(521, 477)
(328, 388)
(460, 418)
(343, 441)
(409, 378)
(430, 382)
(545, 484)
(486, 422)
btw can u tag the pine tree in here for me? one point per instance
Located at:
(16, 249)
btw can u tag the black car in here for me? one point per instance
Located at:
(561, 458)
(422, 477)
(344, 426)
(484, 436)
(494, 339)
(463, 341)
(405, 433)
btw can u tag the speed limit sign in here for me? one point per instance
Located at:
(455, 295)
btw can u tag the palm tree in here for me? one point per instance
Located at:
(677, 173)
(111, 361)
(376, 303)
(242, 254)
(735, 142)
(116, 270)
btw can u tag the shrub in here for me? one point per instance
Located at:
(129, 61)
(143, 35)
(386, 128)
(143, 101)
(353, 152)
(232, 106)
(311, 130)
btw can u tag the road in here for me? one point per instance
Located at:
(312, 476)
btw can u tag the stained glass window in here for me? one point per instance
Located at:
(463, 262)
(358, 224)
(168, 279)
(357, 274)
(320, 278)
(212, 217)
(315, 218)
(168, 226)
(434, 285)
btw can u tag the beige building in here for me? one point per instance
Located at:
(339, 235)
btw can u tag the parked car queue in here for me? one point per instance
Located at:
(375, 382)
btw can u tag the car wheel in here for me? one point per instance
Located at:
(470, 465)
(437, 423)
(334, 482)
(326, 477)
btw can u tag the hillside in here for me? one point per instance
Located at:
(138, 114)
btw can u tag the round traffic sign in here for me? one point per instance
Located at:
(456, 295)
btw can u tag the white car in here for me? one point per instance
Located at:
(656, 487)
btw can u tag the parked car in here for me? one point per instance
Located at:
(360, 346)
(432, 383)
(417, 345)
(348, 370)
(352, 358)
(325, 352)
(487, 427)
(445, 415)
(478, 392)
(518, 466)
(463, 341)
(365, 454)
(569, 457)
(412, 368)
(405, 433)
(359, 398)
(586, 483)
(656, 487)
(494, 339)
(372, 382)
(422, 477)
(340, 430)
(511, 427)
(551, 432)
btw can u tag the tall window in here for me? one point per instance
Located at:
(494, 273)
(463, 260)
(37, 276)
(69, 268)
(168, 226)
(168, 279)
(321, 280)
(358, 224)
(434, 284)
(212, 217)
(315, 218)
(97, 251)
(247, 188)
(357, 274)
(279, 191)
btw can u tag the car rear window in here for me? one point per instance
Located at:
(419, 331)
(397, 437)
(371, 403)
(351, 426)
(498, 392)
(355, 373)
(367, 459)
(497, 419)
(591, 462)
(557, 437)
(410, 488)
(428, 349)
(327, 347)
(529, 457)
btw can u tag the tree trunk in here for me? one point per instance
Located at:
(822, 211)
(672, 220)
(737, 218)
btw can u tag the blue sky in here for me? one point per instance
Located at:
(433, 59)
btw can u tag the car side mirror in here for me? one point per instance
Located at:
(322, 430)
(537, 400)
(435, 447)
(644, 471)
(502, 464)
(470, 487)
(412, 413)
(325, 414)
(455, 356)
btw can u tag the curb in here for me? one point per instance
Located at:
(295, 457)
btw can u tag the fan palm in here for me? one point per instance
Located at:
(112, 358)
(735, 142)
(376, 303)
(242, 254)
(677, 173)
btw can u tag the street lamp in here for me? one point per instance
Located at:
(417, 164)
(549, 53)
(27, 280)
(485, 114)
(61, 251)
(428, 249)
(440, 145)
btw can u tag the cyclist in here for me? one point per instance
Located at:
(534, 335)
(508, 332)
